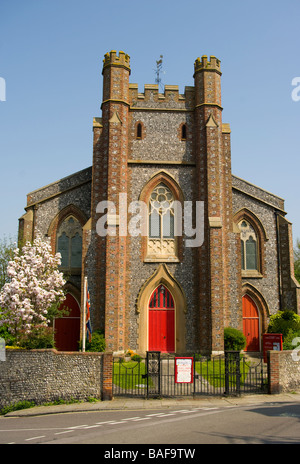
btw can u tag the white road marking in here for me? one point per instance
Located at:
(66, 431)
(142, 418)
(35, 438)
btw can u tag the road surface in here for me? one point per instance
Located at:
(173, 427)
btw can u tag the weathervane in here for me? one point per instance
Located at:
(158, 71)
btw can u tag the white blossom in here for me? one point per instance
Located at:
(36, 284)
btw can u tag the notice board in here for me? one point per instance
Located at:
(271, 342)
(184, 370)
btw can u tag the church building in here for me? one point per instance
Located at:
(174, 247)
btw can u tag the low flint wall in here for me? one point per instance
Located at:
(48, 375)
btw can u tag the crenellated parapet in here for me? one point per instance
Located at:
(113, 59)
(170, 98)
(203, 64)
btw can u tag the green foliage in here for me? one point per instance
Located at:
(17, 407)
(297, 260)
(284, 322)
(39, 338)
(234, 340)
(288, 340)
(98, 342)
(6, 254)
(9, 338)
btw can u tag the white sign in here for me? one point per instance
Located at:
(183, 370)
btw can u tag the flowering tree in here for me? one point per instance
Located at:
(35, 287)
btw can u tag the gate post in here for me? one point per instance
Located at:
(107, 375)
(153, 373)
(232, 372)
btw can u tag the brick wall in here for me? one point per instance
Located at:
(283, 371)
(47, 375)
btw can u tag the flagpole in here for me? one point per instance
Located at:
(84, 316)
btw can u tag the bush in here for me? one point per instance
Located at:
(98, 342)
(39, 338)
(284, 322)
(234, 340)
(288, 340)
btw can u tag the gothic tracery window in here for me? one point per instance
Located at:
(249, 246)
(69, 243)
(161, 235)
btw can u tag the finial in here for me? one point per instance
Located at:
(158, 71)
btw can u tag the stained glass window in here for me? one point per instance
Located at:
(249, 246)
(69, 243)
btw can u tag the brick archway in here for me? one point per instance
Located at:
(254, 301)
(162, 276)
(161, 321)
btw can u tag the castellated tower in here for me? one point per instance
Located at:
(214, 187)
(178, 143)
(110, 179)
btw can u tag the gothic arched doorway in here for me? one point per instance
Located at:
(251, 324)
(67, 328)
(161, 321)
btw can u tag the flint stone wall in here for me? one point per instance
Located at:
(47, 375)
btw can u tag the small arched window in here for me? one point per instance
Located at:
(183, 132)
(69, 243)
(139, 131)
(249, 246)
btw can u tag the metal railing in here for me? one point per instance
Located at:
(154, 376)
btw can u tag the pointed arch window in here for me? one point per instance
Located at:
(69, 244)
(162, 242)
(249, 246)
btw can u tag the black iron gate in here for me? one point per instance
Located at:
(154, 376)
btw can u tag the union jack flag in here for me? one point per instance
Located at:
(88, 315)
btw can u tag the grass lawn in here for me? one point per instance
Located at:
(128, 375)
(214, 372)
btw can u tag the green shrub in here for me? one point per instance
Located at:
(234, 340)
(284, 322)
(98, 342)
(288, 340)
(17, 407)
(39, 338)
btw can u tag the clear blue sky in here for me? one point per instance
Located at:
(51, 59)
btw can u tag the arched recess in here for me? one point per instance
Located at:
(161, 276)
(175, 255)
(262, 237)
(252, 294)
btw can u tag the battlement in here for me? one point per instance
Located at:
(112, 59)
(202, 64)
(151, 93)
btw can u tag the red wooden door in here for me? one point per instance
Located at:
(67, 328)
(161, 321)
(250, 324)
